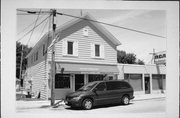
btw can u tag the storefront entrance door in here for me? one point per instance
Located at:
(79, 81)
(147, 85)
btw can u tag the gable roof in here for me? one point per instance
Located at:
(86, 17)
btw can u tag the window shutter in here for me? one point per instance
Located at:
(75, 46)
(102, 52)
(92, 50)
(64, 47)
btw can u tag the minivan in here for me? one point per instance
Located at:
(101, 93)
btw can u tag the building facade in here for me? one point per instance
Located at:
(145, 79)
(84, 51)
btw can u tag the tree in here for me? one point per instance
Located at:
(26, 50)
(128, 58)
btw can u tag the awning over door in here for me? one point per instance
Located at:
(87, 68)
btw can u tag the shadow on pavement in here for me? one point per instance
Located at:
(45, 106)
(98, 107)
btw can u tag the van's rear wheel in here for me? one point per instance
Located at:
(125, 100)
(87, 104)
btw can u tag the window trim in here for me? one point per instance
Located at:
(101, 51)
(75, 48)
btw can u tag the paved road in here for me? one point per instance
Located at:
(143, 106)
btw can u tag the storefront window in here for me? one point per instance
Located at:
(62, 81)
(158, 81)
(92, 78)
(135, 81)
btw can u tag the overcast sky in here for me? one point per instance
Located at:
(153, 22)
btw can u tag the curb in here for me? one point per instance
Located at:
(141, 99)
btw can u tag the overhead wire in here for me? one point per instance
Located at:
(33, 28)
(33, 12)
(138, 31)
(29, 25)
(43, 29)
(29, 14)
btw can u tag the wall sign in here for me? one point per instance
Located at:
(160, 57)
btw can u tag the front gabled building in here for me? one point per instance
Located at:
(84, 50)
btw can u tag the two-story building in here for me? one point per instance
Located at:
(84, 50)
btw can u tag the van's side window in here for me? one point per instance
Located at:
(117, 85)
(124, 85)
(101, 87)
(112, 85)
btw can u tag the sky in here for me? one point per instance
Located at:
(150, 21)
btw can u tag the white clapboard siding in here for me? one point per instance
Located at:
(84, 48)
(39, 79)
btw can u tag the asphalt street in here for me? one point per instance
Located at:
(142, 106)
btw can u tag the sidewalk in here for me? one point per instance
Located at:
(36, 104)
(148, 96)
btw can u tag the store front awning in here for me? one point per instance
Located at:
(86, 68)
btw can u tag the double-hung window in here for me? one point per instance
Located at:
(70, 47)
(97, 50)
(44, 49)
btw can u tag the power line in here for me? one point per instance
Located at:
(112, 25)
(33, 28)
(28, 26)
(43, 30)
(138, 31)
(28, 14)
(33, 12)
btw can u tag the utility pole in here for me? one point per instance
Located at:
(153, 56)
(20, 73)
(52, 59)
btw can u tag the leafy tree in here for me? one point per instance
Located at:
(26, 50)
(140, 62)
(128, 58)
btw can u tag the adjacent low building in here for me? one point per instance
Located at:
(145, 79)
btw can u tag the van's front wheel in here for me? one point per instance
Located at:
(125, 100)
(87, 104)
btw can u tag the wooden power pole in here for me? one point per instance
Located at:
(52, 59)
(20, 72)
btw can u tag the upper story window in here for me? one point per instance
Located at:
(44, 49)
(70, 47)
(36, 56)
(97, 50)
(31, 59)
